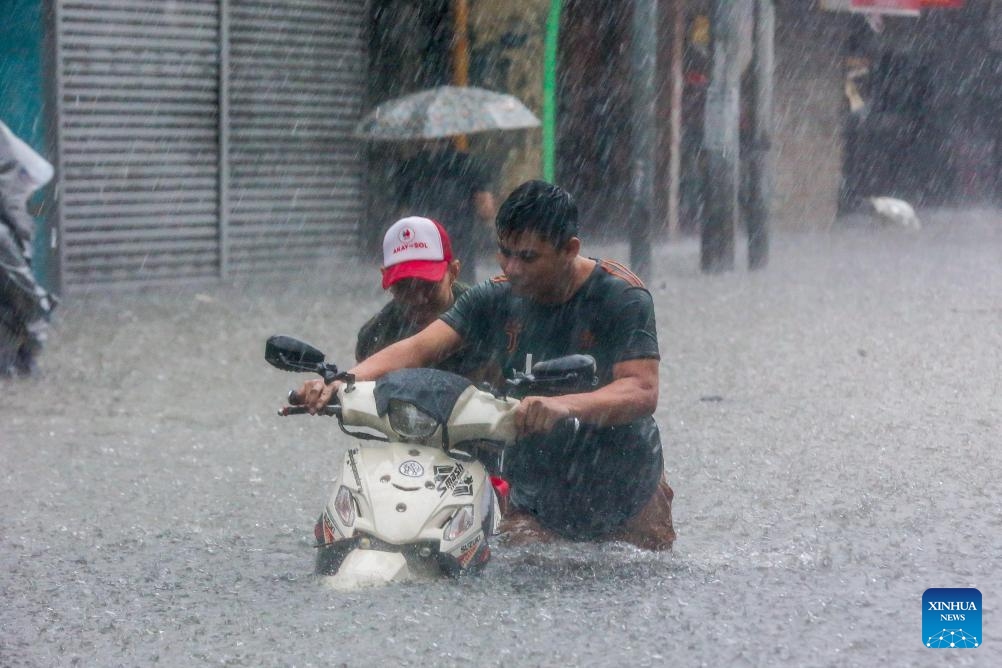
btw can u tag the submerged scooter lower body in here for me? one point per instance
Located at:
(367, 534)
(372, 568)
(363, 562)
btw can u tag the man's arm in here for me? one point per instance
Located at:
(426, 348)
(632, 394)
(429, 346)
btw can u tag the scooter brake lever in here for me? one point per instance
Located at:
(348, 379)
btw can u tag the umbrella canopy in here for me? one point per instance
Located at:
(445, 111)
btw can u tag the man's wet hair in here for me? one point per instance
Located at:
(540, 207)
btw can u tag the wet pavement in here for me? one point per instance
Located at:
(832, 429)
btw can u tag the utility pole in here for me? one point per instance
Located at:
(643, 63)
(675, 123)
(759, 158)
(720, 137)
(461, 57)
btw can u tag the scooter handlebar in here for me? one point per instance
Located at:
(296, 407)
(296, 399)
(330, 410)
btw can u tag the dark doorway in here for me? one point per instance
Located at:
(890, 143)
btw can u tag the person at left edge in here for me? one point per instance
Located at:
(421, 274)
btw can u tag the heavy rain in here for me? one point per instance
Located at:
(829, 416)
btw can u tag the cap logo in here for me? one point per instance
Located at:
(408, 241)
(415, 240)
(414, 246)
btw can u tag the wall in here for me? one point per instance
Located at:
(507, 56)
(809, 108)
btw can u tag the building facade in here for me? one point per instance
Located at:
(202, 139)
(209, 139)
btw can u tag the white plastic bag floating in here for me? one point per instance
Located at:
(36, 170)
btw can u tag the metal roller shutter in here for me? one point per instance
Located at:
(297, 78)
(139, 142)
(203, 138)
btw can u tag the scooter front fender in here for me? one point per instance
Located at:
(369, 568)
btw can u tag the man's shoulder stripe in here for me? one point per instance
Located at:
(620, 271)
(501, 278)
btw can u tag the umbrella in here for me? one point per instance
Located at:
(445, 111)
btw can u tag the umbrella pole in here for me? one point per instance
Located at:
(460, 56)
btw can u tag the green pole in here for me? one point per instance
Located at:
(550, 90)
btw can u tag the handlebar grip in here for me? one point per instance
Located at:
(330, 410)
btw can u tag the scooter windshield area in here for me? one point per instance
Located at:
(434, 392)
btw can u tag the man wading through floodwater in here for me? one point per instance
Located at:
(609, 482)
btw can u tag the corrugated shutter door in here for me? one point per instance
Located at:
(205, 138)
(138, 135)
(297, 80)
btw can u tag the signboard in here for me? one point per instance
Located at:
(874, 7)
(891, 7)
(897, 7)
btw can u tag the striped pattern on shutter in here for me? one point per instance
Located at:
(137, 96)
(297, 81)
(207, 138)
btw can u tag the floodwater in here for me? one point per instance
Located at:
(832, 429)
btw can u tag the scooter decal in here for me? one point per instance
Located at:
(328, 529)
(354, 467)
(466, 547)
(446, 477)
(468, 550)
(465, 488)
(411, 469)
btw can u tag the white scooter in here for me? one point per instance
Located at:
(414, 498)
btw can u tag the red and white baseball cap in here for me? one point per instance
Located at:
(415, 247)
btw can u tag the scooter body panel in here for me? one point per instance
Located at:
(406, 493)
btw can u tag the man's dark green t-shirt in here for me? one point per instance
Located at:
(593, 485)
(390, 325)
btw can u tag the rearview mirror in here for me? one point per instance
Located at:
(289, 354)
(569, 365)
(564, 375)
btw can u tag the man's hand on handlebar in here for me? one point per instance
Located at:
(314, 395)
(538, 415)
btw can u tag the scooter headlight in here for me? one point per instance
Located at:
(344, 506)
(459, 524)
(410, 421)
